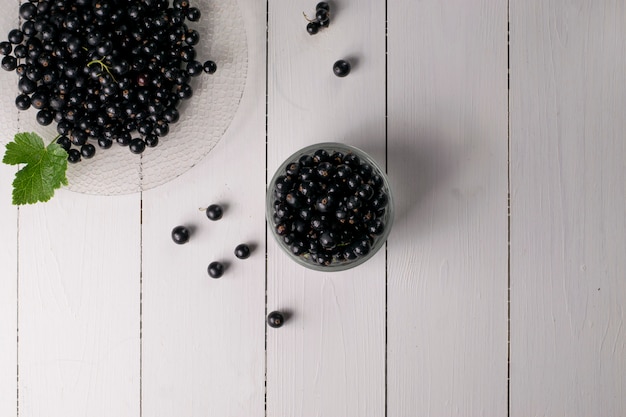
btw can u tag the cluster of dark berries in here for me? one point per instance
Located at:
(322, 18)
(329, 208)
(181, 235)
(104, 70)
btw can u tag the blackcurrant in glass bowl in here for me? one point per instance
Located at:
(330, 206)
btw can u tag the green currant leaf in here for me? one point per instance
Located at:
(44, 169)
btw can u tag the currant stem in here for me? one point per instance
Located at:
(103, 66)
(307, 18)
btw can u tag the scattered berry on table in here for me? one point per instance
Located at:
(180, 235)
(214, 212)
(275, 319)
(242, 251)
(216, 269)
(341, 68)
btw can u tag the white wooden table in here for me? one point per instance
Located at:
(502, 290)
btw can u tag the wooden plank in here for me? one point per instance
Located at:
(447, 284)
(79, 306)
(329, 357)
(78, 295)
(203, 338)
(8, 244)
(568, 183)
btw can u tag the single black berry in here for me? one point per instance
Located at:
(16, 36)
(193, 14)
(137, 145)
(9, 63)
(341, 68)
(5, 47)
(73, 156)
(242, 251)
(64, 142)
(216, 269)
(88, 150)
(214, 212)
(275, 319)
(322, 5)
(322, 16)
(22, 102)
(312, 27)
(180, 235)
(209, 67)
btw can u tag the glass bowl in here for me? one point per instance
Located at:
(329, 206)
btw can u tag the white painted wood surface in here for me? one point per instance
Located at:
(203, 339)
(568, 207)
(447, 291)
(329, 358)
(116, 320)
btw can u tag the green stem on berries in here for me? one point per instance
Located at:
(307, 18)
(103, 66)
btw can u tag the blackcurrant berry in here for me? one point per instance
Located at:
(214, 212)
(194, 68)
(193, 14)
(105, 143)
(341, 68)
(209, 67)
(242, 251)
(22, 102)
(151, 141)
(137, 146)
(88, 150)
(312, 27)
(5, 48)
(9, 63)
(322, 5)
(180, 235)
(16, 36)
(73, 156)
(44, 117)
(275, 319)
(216, 269)
(64, 142)
(322, 17)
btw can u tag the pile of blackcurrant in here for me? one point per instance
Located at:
(329, 208)
(322, 18)
(105, 70)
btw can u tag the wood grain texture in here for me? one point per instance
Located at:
(203, 338)
(8, 246)
(328, 359)
(568, 183)
(447, 134)
(79, 306)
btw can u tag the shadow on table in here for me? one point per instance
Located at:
(419, 169)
